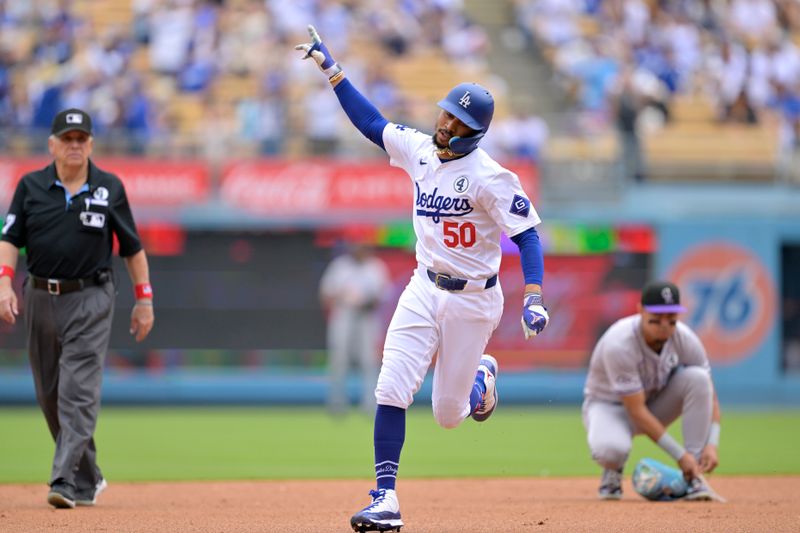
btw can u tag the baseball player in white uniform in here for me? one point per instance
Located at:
(647, 370)
(463, 201)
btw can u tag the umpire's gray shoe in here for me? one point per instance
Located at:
(490, 368)
(610, 485)
(61, 495)
(88, 497)
(383, 514)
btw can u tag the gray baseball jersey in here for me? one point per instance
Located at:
(623, 364)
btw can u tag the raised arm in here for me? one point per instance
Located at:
(359, 110)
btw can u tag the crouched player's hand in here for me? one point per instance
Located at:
(534, 315)
(709, 458)
(319, 53)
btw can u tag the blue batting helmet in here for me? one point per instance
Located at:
(473, 105)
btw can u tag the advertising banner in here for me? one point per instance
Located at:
(161, 183)
(271, 188)
(11, 170)
(727, 274)
(321, 188)
(149, 183)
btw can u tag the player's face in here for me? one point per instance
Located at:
(658, 327)
(73, 148)
(447, 127)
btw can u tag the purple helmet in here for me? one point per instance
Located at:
(473, 105)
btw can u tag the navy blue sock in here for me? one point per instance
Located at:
(478, 390)
(390, 433)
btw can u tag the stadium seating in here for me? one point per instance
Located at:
(695, 145)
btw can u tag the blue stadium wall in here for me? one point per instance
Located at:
(729, 267)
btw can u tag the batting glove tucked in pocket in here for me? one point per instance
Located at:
(534, 315)
(319, 53)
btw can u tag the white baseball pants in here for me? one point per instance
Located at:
(457, 325)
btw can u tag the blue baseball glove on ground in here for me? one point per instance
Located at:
(658, 482)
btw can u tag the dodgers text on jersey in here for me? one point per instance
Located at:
(437, 205)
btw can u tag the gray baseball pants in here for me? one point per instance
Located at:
(352, 334)
(689, 393)
(68, 337)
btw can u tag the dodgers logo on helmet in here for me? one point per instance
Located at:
(473, 105)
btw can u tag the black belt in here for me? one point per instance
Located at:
(63, 286)
(449, 283)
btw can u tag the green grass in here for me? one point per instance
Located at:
(142, 444)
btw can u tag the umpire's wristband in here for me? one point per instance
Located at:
(143, 291)
(6, 270)
(671, 446)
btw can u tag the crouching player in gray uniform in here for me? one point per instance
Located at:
(646, 371)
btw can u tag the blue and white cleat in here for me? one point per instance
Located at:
(490, 368)
(383, 514)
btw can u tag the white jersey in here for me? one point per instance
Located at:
(460, 206)
(622, 363)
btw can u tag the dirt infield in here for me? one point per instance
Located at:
(432, 506)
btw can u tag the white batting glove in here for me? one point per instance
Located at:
(534, 315)
(319, 53)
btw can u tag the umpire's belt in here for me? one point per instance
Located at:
(449, 283)
(63, 286)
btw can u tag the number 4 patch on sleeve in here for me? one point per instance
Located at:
(520, 206)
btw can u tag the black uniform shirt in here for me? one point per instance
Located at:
(70, 240)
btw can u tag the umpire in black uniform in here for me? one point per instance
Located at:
(65, 215)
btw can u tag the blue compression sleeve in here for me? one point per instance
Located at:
(361, 112)
(530, 255)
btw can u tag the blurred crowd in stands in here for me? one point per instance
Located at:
(214, 78)
(740, 55)
(219, 78)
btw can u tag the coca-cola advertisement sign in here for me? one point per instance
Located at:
(317, 187)
(311, 187)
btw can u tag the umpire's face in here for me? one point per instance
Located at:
(71, 149)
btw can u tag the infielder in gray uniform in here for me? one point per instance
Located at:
(646, 371)
(351, 290)
(66, 215)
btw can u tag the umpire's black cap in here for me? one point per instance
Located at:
(71, 119)
(662, 297)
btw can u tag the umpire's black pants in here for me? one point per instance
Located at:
(68, 337)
